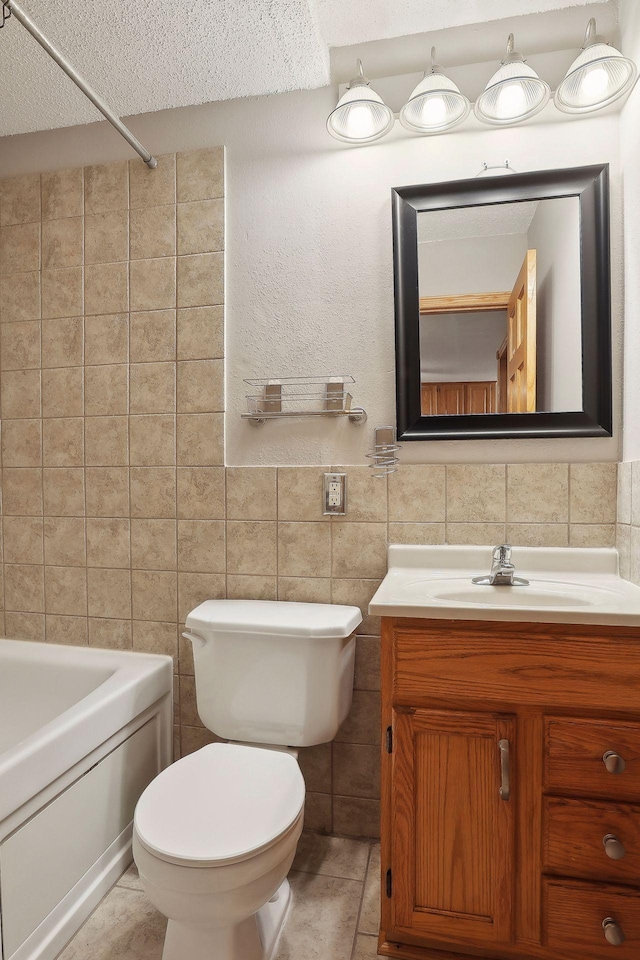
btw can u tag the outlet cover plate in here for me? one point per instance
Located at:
(334, 494)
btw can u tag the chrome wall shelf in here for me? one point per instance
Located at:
(288, 397)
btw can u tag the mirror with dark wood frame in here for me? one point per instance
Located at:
(502, 303)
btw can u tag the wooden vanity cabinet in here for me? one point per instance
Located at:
(510, 791)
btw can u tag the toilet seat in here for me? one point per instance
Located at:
(221, 805)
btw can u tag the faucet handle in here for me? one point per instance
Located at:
(502, 553)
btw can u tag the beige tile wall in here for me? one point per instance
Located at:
(119, 515)
(628, 528)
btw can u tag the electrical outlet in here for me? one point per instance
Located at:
(335, 493)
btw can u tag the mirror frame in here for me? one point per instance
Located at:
(591, 186)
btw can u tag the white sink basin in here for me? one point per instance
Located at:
(565, 585)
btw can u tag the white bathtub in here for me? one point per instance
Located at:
(82, 733)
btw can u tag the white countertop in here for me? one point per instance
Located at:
(567, 585)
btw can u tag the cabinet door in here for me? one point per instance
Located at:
(452, 826)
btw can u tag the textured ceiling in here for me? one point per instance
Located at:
(492, 220)
(153, 54)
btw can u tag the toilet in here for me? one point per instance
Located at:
(215, 834)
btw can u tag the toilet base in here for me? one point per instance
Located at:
(254, 939)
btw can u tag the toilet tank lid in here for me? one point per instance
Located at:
(274, 618)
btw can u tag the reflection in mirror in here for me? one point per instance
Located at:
(500, 308)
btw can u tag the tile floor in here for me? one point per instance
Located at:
(335, 913)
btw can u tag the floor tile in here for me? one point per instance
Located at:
(123, 927)
(366, 948)
(131, 878)
(332, 856)
(370, 912)
(322, 921)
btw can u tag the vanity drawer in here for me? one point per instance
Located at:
(574, 832)
(575, 752)
(574, 920)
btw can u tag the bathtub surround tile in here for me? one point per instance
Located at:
(200, 174)
(22, 491)
(62, 243)
(63, 491)
(200, 226)
(110, 634)
(107, 491)
(64, 541)
(109, 593)
(200, 332)
(63, 342)
(63, 293)
(107, 441)
(251, 493)
(66, 590)
(149, 188)
(153, 492)
(200, 386)
(20, 199)
(20, 345)
(538, 492)
(153, 336)
(201, 546)
(106, 288)
(23, 540)
(106, 390)
(106, 237)
(152, 440)
(154, 595)
(200, 439)
(24, 588)
(200, 280)
(108, 542)
(153, 283)
(194, 589)
(24, 626)
(153, 544)
(22, 443)
(152, 388)
(152, 232)
(107, 339)
(62, 193)
(247, 587)
(20, 297)
(63, 442)
(21, 393)
(155, 637)
(20, 249)
(73, 631)
(106, 187)
(63, 392)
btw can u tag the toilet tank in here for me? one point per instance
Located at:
(273, 672)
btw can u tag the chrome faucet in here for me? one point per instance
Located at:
(502, 570)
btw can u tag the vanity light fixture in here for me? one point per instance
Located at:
(514, 93)
(361, 115)
(436, 104)
(598, 76)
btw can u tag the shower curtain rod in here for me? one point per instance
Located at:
(106, 111)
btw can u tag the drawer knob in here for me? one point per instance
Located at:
(613, 762)
(613, 847)
(613, 932)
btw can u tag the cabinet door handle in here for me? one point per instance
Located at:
(505, 769)
(613, 762)
(613, 847)
(613, 932)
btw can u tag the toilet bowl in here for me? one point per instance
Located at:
(215, 834)
(214, 838)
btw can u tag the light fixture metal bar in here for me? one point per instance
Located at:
(16, 10)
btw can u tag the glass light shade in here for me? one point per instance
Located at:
(435, 105)
(514, 93)
(361, 115)
(596, 78)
